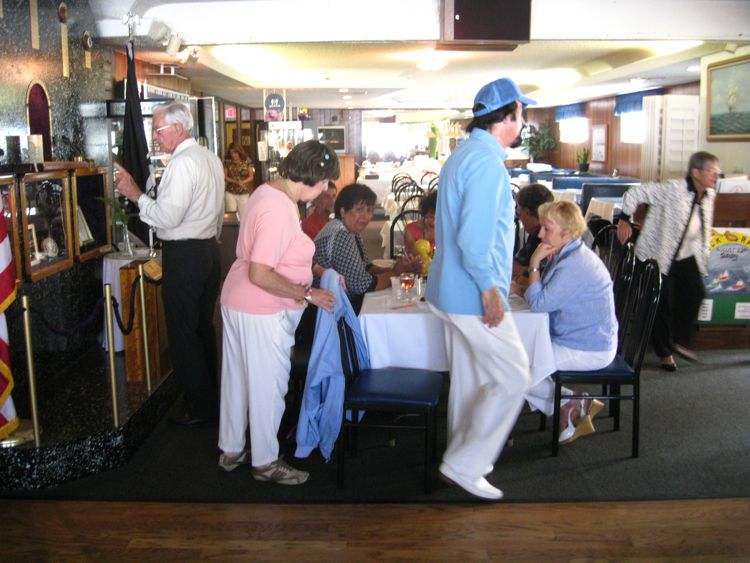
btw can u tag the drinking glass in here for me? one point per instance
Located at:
(407, 284)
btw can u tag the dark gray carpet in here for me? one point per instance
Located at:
(695, 443)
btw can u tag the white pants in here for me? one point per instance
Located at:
(489, 376)
(541, 396)
(254, 380)
(235, 202)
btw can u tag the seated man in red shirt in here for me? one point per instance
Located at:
(321, 213)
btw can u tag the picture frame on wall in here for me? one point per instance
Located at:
(599, 143)
(728, 106)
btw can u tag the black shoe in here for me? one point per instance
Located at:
(186, 419)
(668, 367)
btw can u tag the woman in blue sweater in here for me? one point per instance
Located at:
(576, 291)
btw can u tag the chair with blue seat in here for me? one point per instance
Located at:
(398, 391)
(635, 331)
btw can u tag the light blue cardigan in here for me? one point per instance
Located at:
(323, 399)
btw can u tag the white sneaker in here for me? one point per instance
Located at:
(479, 487)
(282, 473)
(231, 464)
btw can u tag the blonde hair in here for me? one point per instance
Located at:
(566, 214)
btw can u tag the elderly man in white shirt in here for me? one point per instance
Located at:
(187, 215)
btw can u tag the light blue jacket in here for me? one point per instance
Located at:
(323, 399)
(474, 227)
(576, 291)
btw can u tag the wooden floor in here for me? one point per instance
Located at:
(692, 530)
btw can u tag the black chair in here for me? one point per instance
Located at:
(400, 177)
(625, 369)
(413, 202)
(406, 190)
(393, 390)
(607, 246)
(433, 184)
(398, 226)
(429, 175)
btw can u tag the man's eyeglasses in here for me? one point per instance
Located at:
(162, 128)
(716, 171)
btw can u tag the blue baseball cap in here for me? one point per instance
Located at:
(497, 94)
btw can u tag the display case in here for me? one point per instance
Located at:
(45, 215)
(8, 192)
(92, 231)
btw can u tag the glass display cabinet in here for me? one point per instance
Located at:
(8, 192)
(92, 231)
(45, 215)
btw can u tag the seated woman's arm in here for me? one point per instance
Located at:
(412, 233)
(559, 284)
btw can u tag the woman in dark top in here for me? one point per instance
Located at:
(339, 246)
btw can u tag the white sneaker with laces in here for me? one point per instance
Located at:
(231, 464)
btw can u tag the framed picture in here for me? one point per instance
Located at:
(91, 214)
(46, 218)
(33, 246)
(728, 111)
(599, 143)
(84, 233)
(334, 136)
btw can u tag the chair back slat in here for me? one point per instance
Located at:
(640, 312)
(607, 246)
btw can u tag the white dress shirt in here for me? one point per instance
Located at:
(190, 201)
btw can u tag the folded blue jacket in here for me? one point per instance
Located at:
(323, 399)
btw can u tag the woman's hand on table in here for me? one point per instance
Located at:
(323, 298)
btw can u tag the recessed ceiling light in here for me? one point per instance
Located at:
(694, 68)
(347, 96)
(343, 90)
(638, 80)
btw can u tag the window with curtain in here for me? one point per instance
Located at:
(629, 108)
(574, 126)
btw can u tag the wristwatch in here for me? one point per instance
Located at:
(308, 294)
(532, 270)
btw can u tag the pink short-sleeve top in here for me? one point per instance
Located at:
(270, 234)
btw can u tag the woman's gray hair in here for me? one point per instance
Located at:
(174, 113)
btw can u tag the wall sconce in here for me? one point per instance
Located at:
(173, 45)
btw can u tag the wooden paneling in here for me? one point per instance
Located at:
(625, 157)
(346, 165)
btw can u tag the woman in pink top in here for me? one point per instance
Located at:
(262, 300)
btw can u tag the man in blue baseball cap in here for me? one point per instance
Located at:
(468, 288)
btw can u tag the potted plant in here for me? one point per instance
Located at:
(583, 157)
(538, 141)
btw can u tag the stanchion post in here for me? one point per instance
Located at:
(30, 368)
(111, 350)
(146, 355)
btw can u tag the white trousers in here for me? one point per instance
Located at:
(541, 396)
(254, 380)
(489, 376)
(235, 202)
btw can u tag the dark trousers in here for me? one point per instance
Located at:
(682, 292)
(191, 273)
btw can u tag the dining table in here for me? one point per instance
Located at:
(408, 334)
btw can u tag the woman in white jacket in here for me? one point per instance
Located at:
(676, 232)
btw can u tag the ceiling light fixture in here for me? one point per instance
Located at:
(173, 45)
(694, 68)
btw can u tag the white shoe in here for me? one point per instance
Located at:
(479, 487)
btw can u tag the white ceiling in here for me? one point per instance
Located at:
(309, 49)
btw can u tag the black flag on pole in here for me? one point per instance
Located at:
(134, 146)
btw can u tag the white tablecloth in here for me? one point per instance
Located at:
(412, 337)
